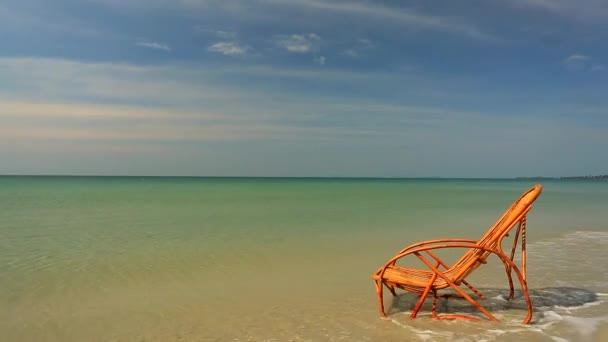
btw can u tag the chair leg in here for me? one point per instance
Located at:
(419, 304)
(423, 296)
(476, 291)
(474, 303)
(434, 309)
(380, 298)
(453, 316)
(510, 278)
(525, 293)
(392, 289)
(522, 225)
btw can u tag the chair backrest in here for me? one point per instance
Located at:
(493, 237)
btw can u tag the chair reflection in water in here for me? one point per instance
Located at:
(438, 275)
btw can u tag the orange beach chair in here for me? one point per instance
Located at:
(440, 276)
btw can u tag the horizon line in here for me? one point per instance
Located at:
(306, 177)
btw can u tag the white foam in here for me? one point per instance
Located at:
(556, 323)
(570, 260)
(569, 309)
(584, 329)
(585, 326)
(551, 316)
(500, 297)
(426, 335)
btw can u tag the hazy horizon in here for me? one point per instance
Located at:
(304, 88)
(303, 177)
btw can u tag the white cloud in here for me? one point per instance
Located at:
(298, 43)
(575, 58)
(228, 48)
(321, 60)
(581, 62)
(154, 45)
(576, 61)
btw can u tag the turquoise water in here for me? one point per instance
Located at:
(127, 258)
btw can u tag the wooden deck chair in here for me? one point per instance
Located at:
(439, 275)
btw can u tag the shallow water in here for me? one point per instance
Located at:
(208, 259)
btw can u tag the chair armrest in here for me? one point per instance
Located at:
(429, 242)
(421, 248)
(474, 245)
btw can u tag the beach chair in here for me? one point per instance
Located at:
(438, 275)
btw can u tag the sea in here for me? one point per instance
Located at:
(284, 259)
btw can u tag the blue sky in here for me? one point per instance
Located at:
(304, 87)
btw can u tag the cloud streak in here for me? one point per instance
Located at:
(228, 49)
(154, 45)
(298, 43)
(400, 16)
(361, 45)
(579, 62)
(61, 100)
(580, 10)
(63, 108)
(50, 121)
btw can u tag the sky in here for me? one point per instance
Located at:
(331, 88)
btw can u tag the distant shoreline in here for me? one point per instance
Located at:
(589, 177)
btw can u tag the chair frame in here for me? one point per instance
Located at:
(424, 251)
